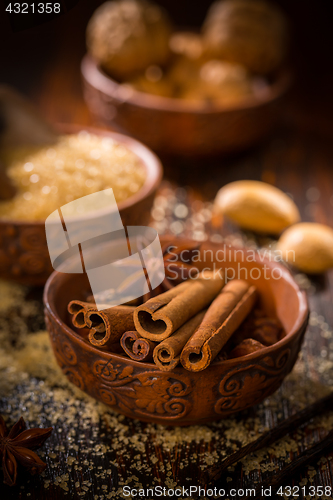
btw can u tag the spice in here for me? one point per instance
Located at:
(104, 329)
(139, 449)
(246, 347)
(137, 347)
(107, 326)
(259, 327)
(167, 353)
(141, 452)
(160, 316)
(16, 446)
(78, 309)
(267, 331)
(77, 165)
(222, 318)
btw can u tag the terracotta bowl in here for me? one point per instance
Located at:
(175, 127)
(179, 397)
(24, 256)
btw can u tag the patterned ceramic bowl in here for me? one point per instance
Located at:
(179, 397)
(175, 127)
(24, 256)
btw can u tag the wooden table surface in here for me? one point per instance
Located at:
(298, 158)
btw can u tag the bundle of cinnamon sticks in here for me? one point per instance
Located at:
(193, 323)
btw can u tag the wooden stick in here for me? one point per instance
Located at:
(167, 353)
(268, 438)
(222, 318)
(307, 456)
(108, 326)
(136, 347)
(160, 316)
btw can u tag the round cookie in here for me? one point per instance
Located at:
(251, 33)
(127, 36)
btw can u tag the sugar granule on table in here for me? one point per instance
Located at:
(92, 442)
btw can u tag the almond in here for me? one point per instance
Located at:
(257, 206)
(308, 246)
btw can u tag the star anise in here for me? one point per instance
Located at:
(16, 446)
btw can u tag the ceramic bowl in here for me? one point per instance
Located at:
(24, 256)
(175, 127)
(179, 397)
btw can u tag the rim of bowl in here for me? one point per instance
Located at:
(301, 320)
(149, 159)
(98, 79)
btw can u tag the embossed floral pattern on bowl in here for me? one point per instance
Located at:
(179, 397)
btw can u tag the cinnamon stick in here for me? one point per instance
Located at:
(222, 318)
(78, 309)
(108, 326)
(136, 347)
(160, 316)
(102, 305)
(167, 353)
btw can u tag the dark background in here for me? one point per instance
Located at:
(43, 56)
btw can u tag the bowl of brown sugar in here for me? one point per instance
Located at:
(202, 346)
(80, 163)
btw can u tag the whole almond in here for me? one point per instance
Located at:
(308, 246)
(257, 206)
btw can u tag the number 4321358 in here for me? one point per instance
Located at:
(33, 8)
